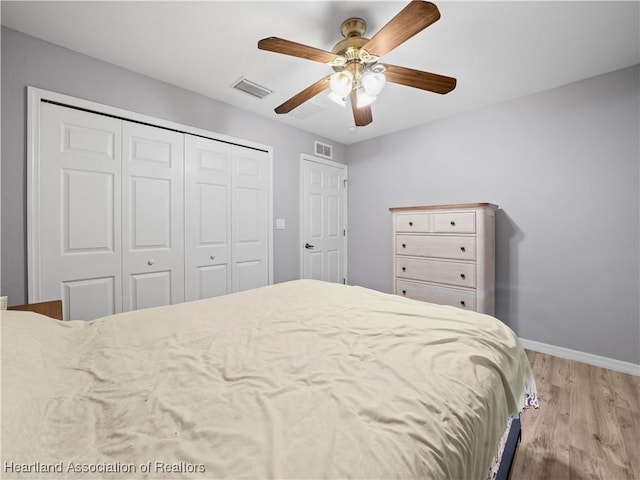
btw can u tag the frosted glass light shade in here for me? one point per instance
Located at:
(372, 82)
(341, 83)
(363, 98)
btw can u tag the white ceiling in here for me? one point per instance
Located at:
(496, 50)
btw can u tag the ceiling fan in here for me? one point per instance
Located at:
(358, 77)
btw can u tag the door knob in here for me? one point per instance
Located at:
(308, 246)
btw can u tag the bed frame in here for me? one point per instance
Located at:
(510, 449)
(51, 309)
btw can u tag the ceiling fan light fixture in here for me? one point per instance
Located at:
(372, 82)
(342, 101)
(341, 83)
(363, 98)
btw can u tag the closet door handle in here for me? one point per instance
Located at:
(308, 246)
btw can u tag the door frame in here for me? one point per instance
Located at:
(345, 196)
(35, 97)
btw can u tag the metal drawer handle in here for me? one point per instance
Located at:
(462, 275)
(411, 224)
(404, 269)
(453, 224)
(151, 261)
(212, 257)
(462, 303)
(404, 245)
(463, 249)
(404, 292)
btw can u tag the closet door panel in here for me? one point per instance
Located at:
(78, 242)
(153, 224)
(208, 168)
(250, 220)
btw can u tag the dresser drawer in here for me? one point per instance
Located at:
(436, 294)
(454, 222)
(451, 273)
(412, 222)
(458, 248)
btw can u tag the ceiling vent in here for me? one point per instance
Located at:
(251, 88)
(323, 150)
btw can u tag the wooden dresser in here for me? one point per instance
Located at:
(446, 254)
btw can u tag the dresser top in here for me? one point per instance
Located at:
(444, 207)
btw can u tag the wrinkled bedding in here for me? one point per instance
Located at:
(302, 379)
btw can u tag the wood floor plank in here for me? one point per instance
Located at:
(587, 426)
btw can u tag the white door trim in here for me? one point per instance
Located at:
(35, 96)
(310, 158)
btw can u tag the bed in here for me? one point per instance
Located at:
(302, 379)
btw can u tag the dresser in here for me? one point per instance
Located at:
(446, 254)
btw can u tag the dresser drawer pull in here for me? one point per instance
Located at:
(404, 292)
(404, 269)
(453, 224)
(463, 276)
(462, 303)
(411, 224)
(404, 245)
(462, 249)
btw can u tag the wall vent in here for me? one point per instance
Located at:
(251, 88)
(324, 150)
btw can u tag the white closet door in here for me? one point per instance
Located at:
(79, 212)
(250, 219)
(152, 217)
(208, 168)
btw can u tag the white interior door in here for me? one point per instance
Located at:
(250, 219)
(79, 212)
(208, 168)
(323, 242)
(152, 216)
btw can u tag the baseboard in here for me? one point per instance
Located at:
(598, 361)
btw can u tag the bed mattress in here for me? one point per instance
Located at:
(303, 379)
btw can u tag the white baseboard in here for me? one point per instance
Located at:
(598, 361)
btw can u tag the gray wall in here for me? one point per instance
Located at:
(29, 61)
(563, 167)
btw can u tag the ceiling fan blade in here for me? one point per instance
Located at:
(286, 47)
(306, 94)
(418, 79)
(362, 115)
(412, 19)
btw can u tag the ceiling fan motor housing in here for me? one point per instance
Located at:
(352, 29)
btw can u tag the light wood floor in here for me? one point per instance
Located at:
(587, 426)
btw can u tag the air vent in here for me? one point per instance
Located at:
(251, 88)
(324, 150)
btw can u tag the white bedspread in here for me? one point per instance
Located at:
(303, 379)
